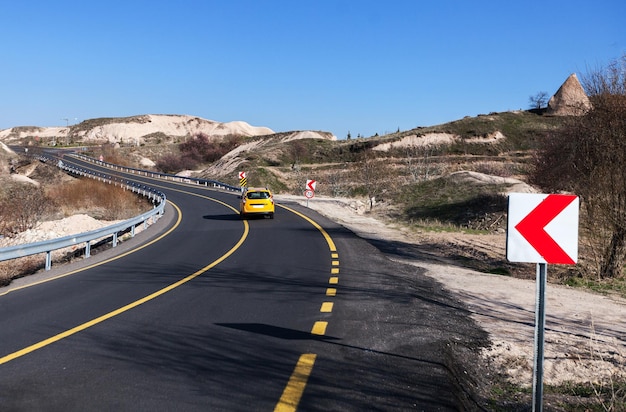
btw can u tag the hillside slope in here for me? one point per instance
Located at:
(498, 144)
(134, 130)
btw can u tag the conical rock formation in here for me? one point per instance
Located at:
(570, 99)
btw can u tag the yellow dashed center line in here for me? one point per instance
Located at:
(295, 387)
(327, 307)
(319, 328)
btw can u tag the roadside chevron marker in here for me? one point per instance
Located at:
(311, 184)
(543, 228)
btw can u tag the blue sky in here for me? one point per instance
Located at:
(341, 66)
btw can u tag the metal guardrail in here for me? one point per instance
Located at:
(47, 246)
(141, 172)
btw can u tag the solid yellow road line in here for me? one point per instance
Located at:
(121, 255)
(123, 309)
(297, 382)
(178, 220)
(331, 244)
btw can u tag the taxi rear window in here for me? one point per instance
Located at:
(258, 195)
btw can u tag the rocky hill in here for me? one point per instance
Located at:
(135, 130)
(6, 155)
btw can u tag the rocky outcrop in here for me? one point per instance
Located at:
(150, 128)
(569, 100)
(270, 148)
(135, 130)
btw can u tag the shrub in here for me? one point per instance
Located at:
(99, 200)
(170, 163)
(201, 149)
(195, 151)
(21, 206)
(16, 268)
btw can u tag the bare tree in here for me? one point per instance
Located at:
(587, 157)
(538, 101)
(374, 175)
(609, 80)
(337, 182)
(418, 161)
(298, 150)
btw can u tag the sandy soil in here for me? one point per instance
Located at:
(585, 335)
(59, 228)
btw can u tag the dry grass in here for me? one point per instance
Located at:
(17, 268)
(97, 199)
(82, 196)
(21, 206)
(610, 392)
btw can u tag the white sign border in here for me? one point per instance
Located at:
(563, 228)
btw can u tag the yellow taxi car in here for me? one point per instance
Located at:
(257, 201)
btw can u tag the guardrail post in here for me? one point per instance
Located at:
(48, 259)
(114, 239)
(87, 249)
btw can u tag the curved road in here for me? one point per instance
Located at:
(218, 313)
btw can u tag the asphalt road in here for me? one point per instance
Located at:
(222, 314)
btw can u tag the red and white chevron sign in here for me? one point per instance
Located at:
(242, 175)
(310, 184)
(542, 228)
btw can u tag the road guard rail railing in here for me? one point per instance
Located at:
(112, 231)
(148, 173)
